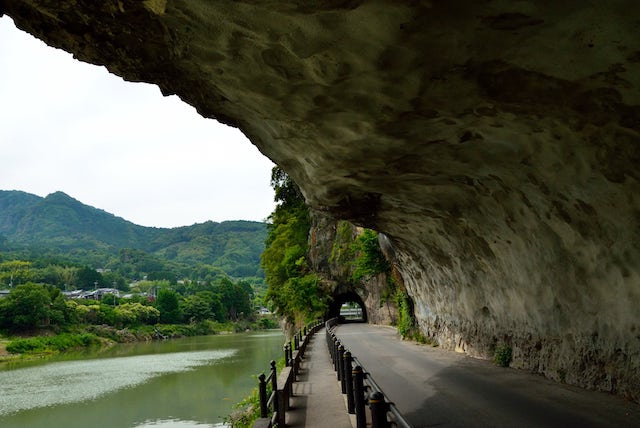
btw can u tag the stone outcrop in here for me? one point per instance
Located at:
(332, 259)
(495, 143)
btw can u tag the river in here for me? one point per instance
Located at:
(181, 383)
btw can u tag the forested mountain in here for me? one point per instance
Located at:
(61, 225)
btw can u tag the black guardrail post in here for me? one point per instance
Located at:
(340, 361)
(262, 390)
(348, 378)
(336, 344)
(379, 410)
(358, 395)
(274, 386)
(287, 355)
(343, 369)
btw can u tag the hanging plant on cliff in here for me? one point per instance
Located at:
(369, 258)
(294, 291)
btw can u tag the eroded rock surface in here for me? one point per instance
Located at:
(496, 143)
(332, 257)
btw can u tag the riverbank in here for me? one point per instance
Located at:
(184, 382)
(42, 343)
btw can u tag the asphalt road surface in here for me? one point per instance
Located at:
(436, 388)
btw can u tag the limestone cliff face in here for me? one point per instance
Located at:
(329, 238)
(496, 144)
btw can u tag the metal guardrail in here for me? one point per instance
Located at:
(277, 403)
(360, 387)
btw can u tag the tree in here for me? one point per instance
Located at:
(287, 192)
(15, 272)
(115, 280)
(27, 307)
(89, 278)
(131, 314)
(196, 309)
(214, 300)
(236, 299)
(292, 290)
(168, 304)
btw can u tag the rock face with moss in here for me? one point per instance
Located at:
(496, 144)
(334, 252)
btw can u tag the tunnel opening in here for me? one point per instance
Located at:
(349, 307)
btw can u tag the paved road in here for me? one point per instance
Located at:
(436, 388)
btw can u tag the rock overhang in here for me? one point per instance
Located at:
(495, 143)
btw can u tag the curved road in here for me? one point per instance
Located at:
(436, 388)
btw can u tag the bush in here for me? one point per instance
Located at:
(131, 314)
(369, 261)
(267, 323)
(503, 355)
(406, 321)
(52, 344)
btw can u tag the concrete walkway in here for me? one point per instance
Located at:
(317, 399)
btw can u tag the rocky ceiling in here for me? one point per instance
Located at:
(496, 143)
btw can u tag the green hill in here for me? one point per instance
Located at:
(61, 224)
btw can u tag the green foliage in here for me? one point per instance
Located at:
(369, 258)
(406, 322)
(51, 344)
(27, 307)
(406, 325)
(196, 308)
(503, 355)
(248, 409)
(46, 227)
(16, 272)
(235, 298)
(343, 248)
(88, 278)
(185, 330)
(131, 314)
(168, 304)
(268, 323)
(287, 193)
(294, 291)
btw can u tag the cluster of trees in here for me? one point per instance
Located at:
(31, 305)
(222, 301)
(131, 265)
(58, 273)
(294, 290)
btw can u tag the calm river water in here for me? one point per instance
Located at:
(182, 383)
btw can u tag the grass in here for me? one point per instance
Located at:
(248, 410)
(52, 344)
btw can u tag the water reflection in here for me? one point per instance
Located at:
(74, 381)
(173, 423)
(183, 383)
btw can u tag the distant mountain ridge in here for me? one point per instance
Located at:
(65, 224)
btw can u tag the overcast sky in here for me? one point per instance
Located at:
(119, 146)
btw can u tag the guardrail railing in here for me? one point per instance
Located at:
(277, 403)
(360, 387)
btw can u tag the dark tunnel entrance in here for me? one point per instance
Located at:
(349, 307)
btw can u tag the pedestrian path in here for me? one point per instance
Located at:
(317, 399)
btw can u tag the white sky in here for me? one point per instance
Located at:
(119, 146)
